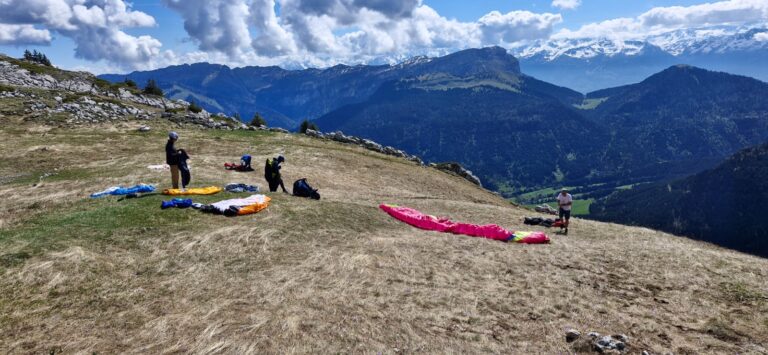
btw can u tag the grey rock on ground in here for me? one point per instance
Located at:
(340, 137)
(571, 335)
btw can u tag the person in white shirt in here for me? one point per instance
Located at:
(565, 201)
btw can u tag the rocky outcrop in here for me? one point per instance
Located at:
(79, 98)
(11, 74)
(206, 120)
(80, 109)
(340, 137)
(149, 100)
(79, 83)
(458, 170)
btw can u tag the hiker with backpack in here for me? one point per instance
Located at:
(173, 158)
(272, 173)
(564, 202)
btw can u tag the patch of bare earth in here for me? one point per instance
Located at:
(339, 275)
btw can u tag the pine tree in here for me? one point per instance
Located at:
(258, 121)
(152, 88)
(27, 54)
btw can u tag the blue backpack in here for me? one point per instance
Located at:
(301, 188)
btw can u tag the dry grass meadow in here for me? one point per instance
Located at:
(330, 276)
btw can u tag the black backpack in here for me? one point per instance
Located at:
(301, 188)
(533, 221)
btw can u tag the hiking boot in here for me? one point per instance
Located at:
(566, 232)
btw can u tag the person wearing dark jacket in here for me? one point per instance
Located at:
(272, 174)
(172, 158)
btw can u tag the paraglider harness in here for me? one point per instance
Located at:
(301, 188)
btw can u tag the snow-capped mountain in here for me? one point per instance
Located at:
(580, 49)
(594, 63)
(719, 40)
(712, 40)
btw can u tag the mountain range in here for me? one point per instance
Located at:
(590, 64)
(515, 131)
(517, 134)
(286, 97)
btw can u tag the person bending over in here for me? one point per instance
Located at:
(272, 173)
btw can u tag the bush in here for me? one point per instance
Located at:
(194, 107)
(130, 83)
(152, 88)
(258, 121)
(306, 125)
(103, 84)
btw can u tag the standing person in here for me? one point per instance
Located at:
(272, 173)
(565, 201)
(172, 158)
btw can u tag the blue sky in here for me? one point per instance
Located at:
(118, 35)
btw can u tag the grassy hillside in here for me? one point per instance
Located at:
(329, 276)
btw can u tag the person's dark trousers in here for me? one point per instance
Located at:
(565, 216)
(274, 184)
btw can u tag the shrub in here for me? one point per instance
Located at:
(306, 125)
(194, 107)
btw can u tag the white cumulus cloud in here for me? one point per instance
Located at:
(332, 31)
(95, 26)
(665, 19)
(23, 34)
(566, 4)
(216, 25)
(762, 36)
